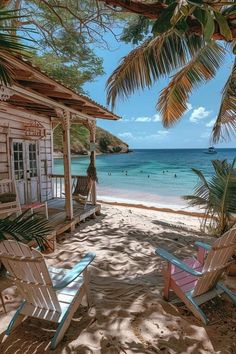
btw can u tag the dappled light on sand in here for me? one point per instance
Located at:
(128, 314)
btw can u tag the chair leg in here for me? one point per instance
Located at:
(190, 302)
(86, 275)
(66, 319)
(230, 294)
(195, 308)
(16, 320)
(167, 278)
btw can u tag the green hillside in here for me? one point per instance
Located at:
(105, 141)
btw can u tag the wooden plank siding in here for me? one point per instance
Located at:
(12, 122)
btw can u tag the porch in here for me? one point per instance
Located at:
(57, 214)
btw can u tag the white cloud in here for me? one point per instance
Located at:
(163, 132)
(211, 123)
(141, 137)
(156, 118)
(198, 114)
(143, 119)
(189, 107)
(126, 135)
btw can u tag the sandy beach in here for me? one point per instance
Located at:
(128, 314)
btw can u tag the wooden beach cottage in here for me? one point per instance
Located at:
(29, 112)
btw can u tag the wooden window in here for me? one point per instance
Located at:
(18, 160)
(33, 160)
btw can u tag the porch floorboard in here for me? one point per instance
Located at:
(57, 214)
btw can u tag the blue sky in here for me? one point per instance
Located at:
(140, 126)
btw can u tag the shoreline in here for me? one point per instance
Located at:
(172, 209)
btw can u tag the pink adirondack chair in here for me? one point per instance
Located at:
(196, 280)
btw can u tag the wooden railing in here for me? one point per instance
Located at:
(58, 186)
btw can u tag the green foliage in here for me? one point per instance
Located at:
(164, 23)
(103, 143)
(25, 228)
(181, 44)
(80, 139)
(117, 149)
(67, 33)
(216, 196)
(70, 73)
(137, 30)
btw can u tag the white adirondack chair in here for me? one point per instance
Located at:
(196, 280)
(52, 294)
(9, 186)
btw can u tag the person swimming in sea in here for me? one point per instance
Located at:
(175, 175)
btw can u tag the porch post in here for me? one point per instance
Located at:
(92, 131)
(67, 164)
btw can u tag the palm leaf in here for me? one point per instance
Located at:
(217, 196)
(25, 228)
(5, 73)
(145, 64)
(173, 99)
(9, 42)
(225, 124)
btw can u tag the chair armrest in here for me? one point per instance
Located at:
(73, 273)
(203, 245)
(203, 248)
(177, 262)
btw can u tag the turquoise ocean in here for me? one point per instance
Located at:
(152, 177)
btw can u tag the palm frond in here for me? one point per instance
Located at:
(5, 73)
(25, 228)
(225, 125)
(145, 64)
(203, 66)
(217, 196)
(10, 42)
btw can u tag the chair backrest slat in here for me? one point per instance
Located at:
(217, 261)
(28, 270)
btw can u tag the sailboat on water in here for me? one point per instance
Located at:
(211, 150)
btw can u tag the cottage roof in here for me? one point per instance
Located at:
(34, 90)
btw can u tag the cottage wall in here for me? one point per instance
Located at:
(13, 123)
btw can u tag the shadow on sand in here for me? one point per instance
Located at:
(128, 314)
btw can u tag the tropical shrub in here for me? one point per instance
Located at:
(25, 228)
(217, 196)
(116, 149)
(103, 143)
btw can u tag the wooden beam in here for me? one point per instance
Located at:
(39, 98)
(57, 94)
(23, 73)
(23, 77)
(67, 164)
(37, 85)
